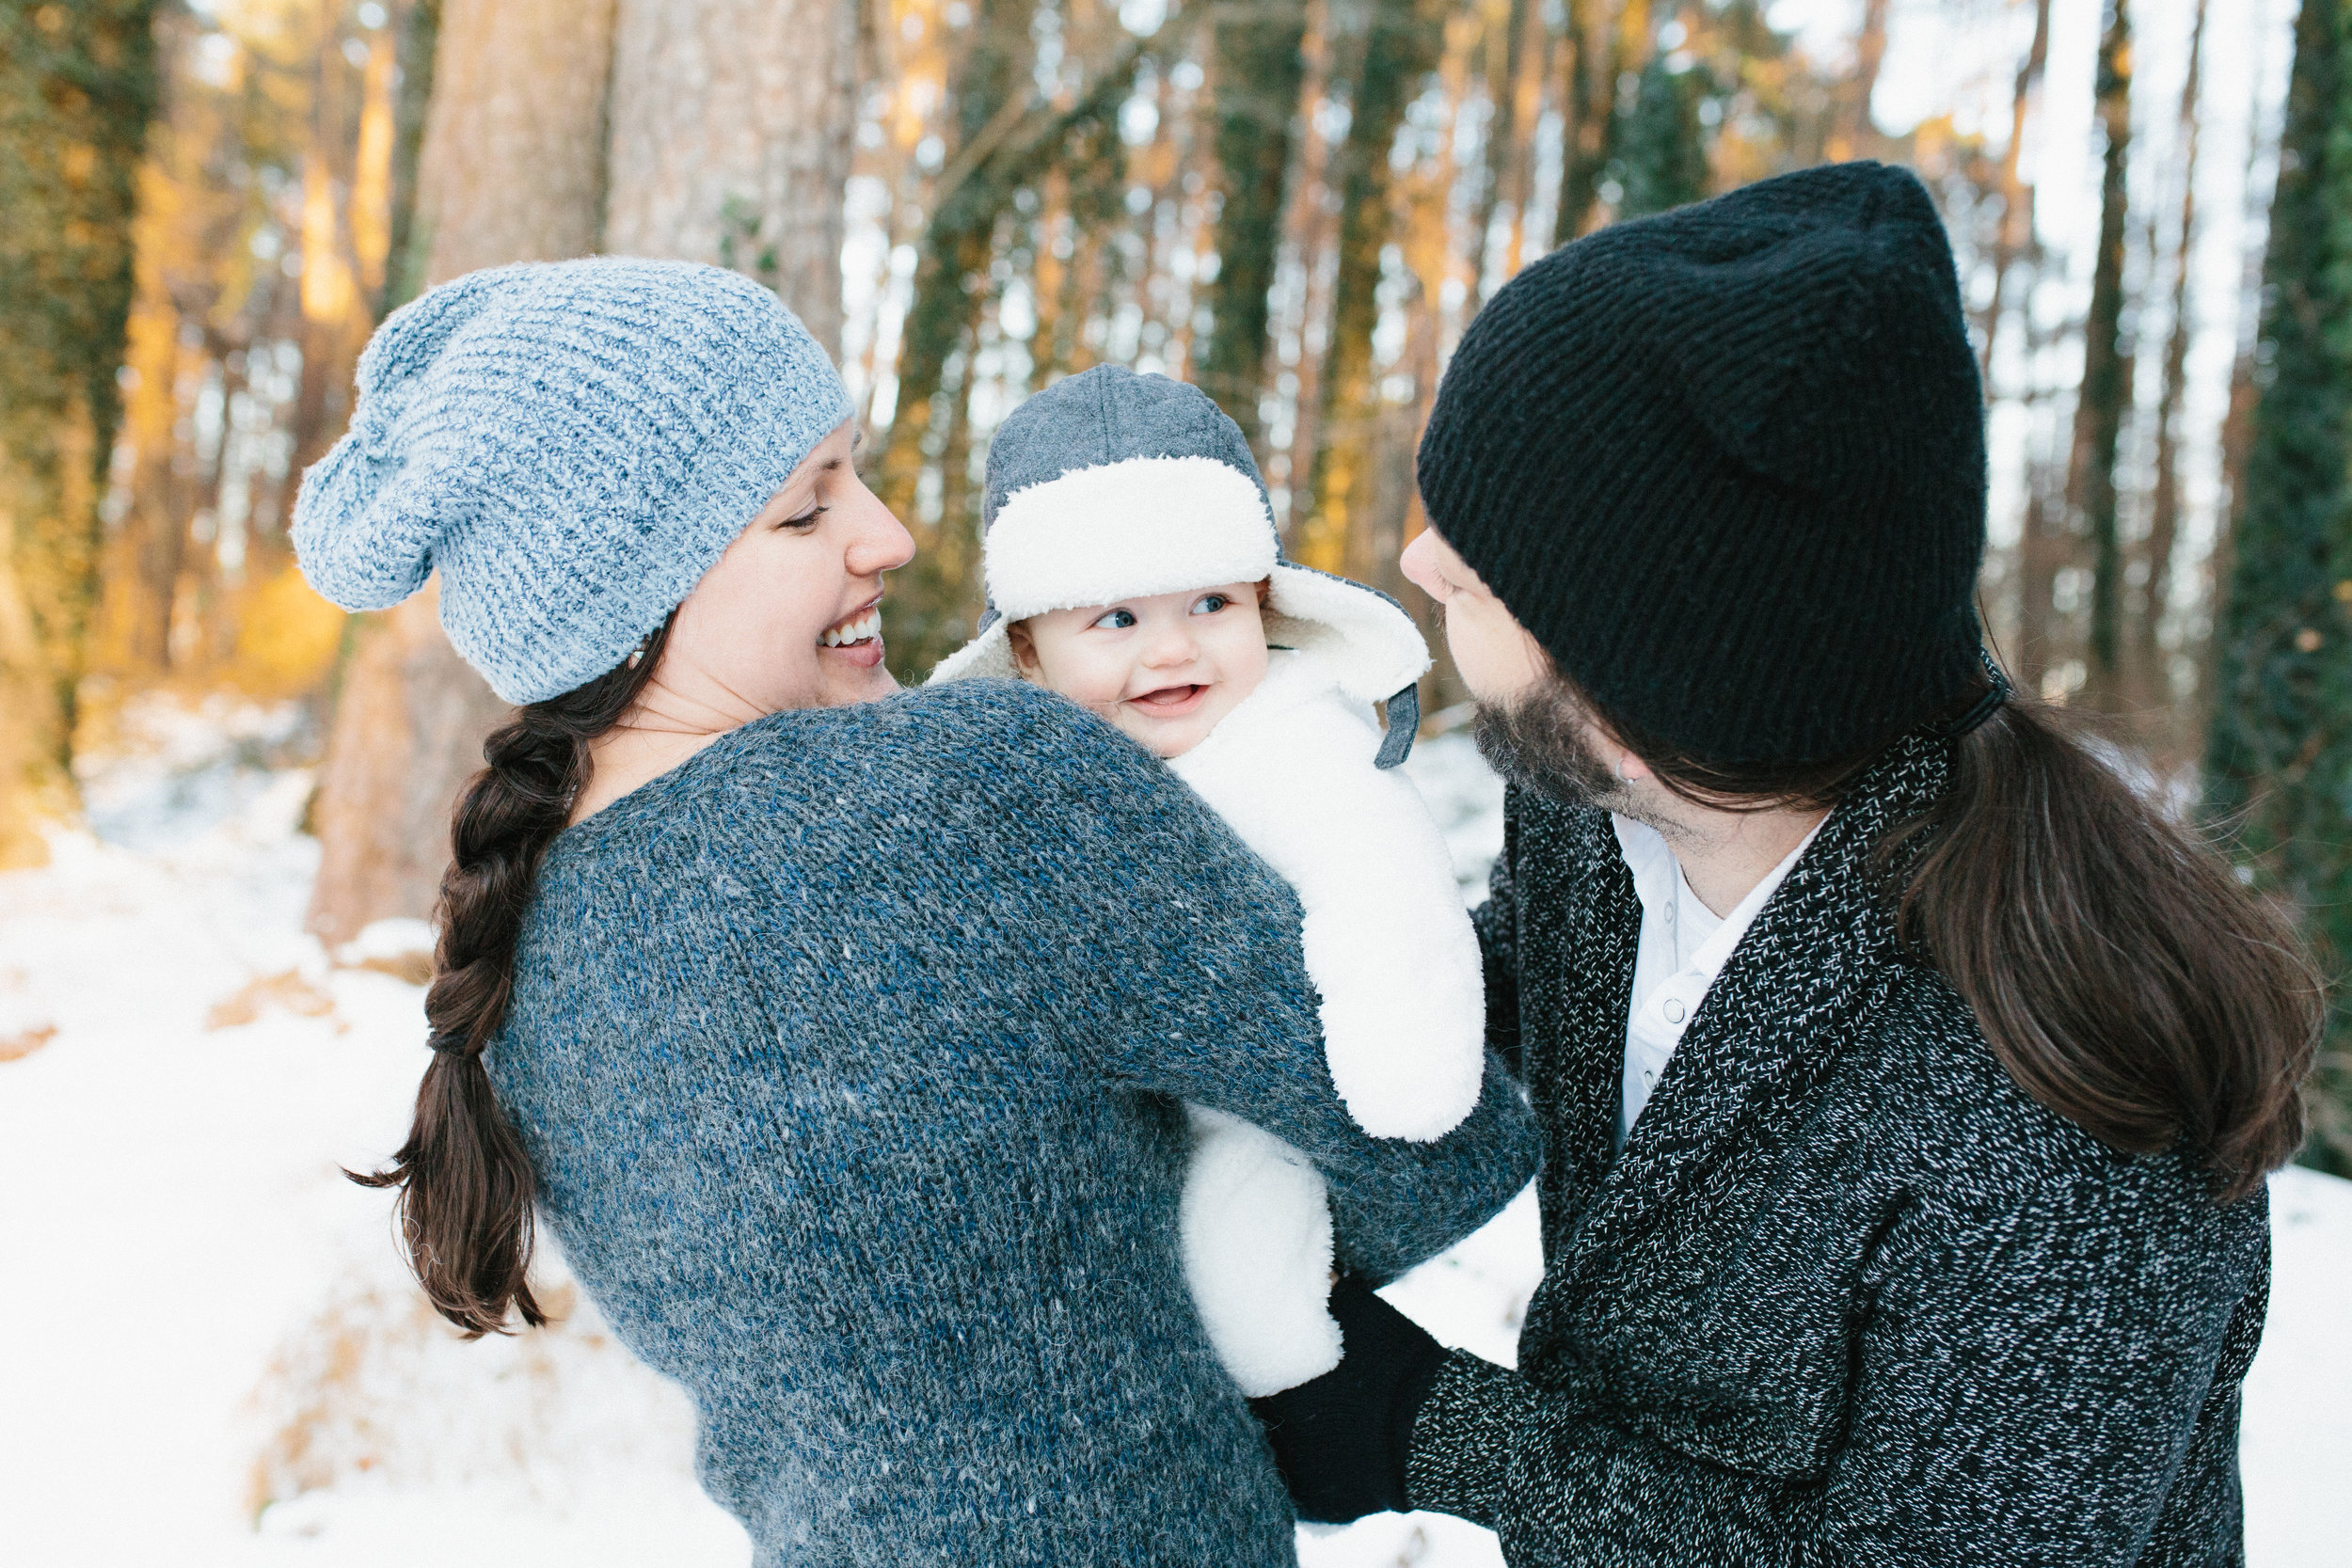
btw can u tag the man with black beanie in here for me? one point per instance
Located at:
(1906, 1084)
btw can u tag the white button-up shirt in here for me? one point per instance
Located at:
(1684, 946)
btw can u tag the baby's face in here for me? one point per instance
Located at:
(1163, 669)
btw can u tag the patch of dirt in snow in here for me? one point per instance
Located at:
(224, 1362)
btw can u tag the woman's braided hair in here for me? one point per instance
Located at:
(465, 1186)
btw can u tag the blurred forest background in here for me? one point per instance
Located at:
(206, 205)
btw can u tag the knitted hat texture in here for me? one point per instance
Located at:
(570, 446)
(1108, 484)
(1727, 465)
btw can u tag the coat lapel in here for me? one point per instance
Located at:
(1574, 1076)
(1820, 955)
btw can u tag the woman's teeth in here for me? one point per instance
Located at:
(864, 628)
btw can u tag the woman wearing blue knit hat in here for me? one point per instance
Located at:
(838, 1035)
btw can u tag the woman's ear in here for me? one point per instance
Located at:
(1023, 648)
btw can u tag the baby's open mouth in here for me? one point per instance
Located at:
(864, 626)
(1169, 699)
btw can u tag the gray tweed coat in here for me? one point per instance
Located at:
(1847, 1295)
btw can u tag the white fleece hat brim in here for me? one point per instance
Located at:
(1160, 525)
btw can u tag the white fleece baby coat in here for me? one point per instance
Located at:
(1110, 484)
(1393, 957)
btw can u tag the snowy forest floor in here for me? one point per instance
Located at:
(212, 1355)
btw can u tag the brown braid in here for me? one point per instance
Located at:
(465, 1186)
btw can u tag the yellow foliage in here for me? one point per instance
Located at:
(287, 637)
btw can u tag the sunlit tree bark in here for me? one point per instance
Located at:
(1401, 48)
(1852, 138)
(1258, 66)
(731, 125)
(512, 169)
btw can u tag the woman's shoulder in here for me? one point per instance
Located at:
(983, 767)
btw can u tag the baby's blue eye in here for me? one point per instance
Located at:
(1209, 604)
(1117, 620)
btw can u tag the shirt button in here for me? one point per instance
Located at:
(1670, 914)
(1674, 1010)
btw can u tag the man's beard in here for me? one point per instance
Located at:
(1539, 742)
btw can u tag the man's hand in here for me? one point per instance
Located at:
(1341, 1439)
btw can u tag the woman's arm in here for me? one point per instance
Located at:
(1201, 991)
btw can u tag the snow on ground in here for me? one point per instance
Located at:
(212, 1356)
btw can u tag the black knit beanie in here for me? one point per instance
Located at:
(1727, 465)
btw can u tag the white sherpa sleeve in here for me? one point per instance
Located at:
(1386, 940)
(1256, 1230)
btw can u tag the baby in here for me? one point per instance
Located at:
(1132, 565)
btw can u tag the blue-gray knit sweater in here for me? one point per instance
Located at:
(848, 1057)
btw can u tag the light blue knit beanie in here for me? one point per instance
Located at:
(571, 446)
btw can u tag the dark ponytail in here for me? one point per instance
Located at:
(465, 1186)
(2121, 973)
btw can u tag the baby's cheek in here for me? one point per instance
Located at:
(1095, 683)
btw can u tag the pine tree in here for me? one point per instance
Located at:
(77, 88)
(2279, 762)
(1662, 148)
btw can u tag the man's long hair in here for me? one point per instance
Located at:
(2123, 974)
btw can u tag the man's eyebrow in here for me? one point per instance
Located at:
(857, 440)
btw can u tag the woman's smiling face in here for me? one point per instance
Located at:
(790, 615)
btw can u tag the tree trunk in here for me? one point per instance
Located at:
(731, 130)
(931, 610)
(337, 310)
(2015, 235)
(405, 259)
(1506, 141)
(2279, 761)
(2148, 684)
(1401, 48)
(1606, 42)
(513, 165)
(512, 169)
(1258, 66)
(77, 88)
(409, 724)
(1855, 132)
(2106, 369)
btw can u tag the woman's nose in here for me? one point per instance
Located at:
(879, 542)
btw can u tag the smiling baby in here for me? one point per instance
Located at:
(1133, 566)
